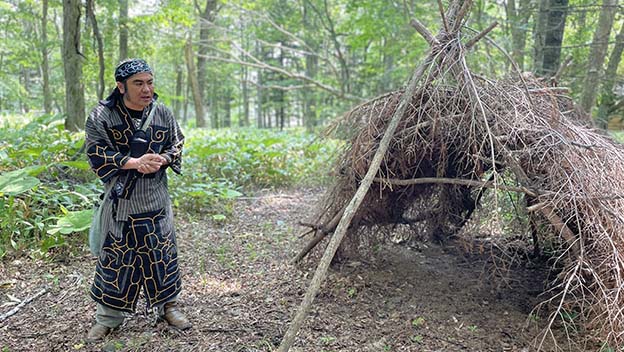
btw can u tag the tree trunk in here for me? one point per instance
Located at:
(45, 64)
(177, 103)
(26, 86)
(123, 29)
(388, 63)
(100, 49)
(597, 54)
(185, 101)
(72, 66)
(207, 16)
(345, 79)
(190, 65)
(281, 95)
(607, 98)
(518, 18)
(311, 69)
(227, 108)
(549, 36)
(243, 120)
(259, 92)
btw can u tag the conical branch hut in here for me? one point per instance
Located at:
(460, 135)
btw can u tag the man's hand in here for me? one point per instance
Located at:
(146, 164)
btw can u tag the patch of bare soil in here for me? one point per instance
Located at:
(241, 293)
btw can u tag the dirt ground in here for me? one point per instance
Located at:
(241, 293)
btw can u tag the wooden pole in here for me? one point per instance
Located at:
(351, 209)
(456, 12)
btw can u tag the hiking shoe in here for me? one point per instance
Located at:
(98, 332)
(174, 317)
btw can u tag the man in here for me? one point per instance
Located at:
(137, 249)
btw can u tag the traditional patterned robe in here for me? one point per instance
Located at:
(139, 249)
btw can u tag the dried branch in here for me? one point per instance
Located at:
(479, 36)
(456, 181)
(443, 16)
(424, 32)
(22, 304)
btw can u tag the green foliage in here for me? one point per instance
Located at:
(42, 188)
(219, 164)
(327, 340)
(260, 158)
(47, 189)
(418, 322)
(617, 135)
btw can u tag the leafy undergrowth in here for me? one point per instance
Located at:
(617, 135)
(47, 189)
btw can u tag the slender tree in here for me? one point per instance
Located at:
(100, 48)
(548, 36)
(207, 15)
(192, 74)
(123, 29)
(259, 91)
(597, 54)
(45, 63)
(607, 97)
(72, 66)
(243, 120)
(311, 65)
(328, 23)
(518, 15)
(177, 102)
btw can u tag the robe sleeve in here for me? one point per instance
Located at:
(105, 160)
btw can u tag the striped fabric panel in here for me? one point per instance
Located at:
(107, 141)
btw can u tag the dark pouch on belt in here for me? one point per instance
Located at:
(138, 144)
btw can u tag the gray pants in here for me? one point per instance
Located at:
(112, 318)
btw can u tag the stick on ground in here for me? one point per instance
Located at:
(22, 304)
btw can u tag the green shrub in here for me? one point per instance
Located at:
(261, 158)
(617, 135)
(44, 181)
(47, 189)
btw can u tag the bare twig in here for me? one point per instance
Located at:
(424, 32)
(22, 304)
(479, 36)
(456, 181)
(443, 16)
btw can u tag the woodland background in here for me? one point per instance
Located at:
(252, 82)
(254, 85)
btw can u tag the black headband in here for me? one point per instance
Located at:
(130, 67)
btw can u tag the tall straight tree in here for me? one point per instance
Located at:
(192, 75)
(100, 48)
(259, 90)
(607, 98)
(177, 103)
(518, 15)
(548, 36)
(72, 66)
(207, 16)
(123, 29)
(243, 120)
(311, 65)
(597, 54)
(45, 63)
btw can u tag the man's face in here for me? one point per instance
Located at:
(138, 90)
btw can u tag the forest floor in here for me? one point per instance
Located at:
(241, 293)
